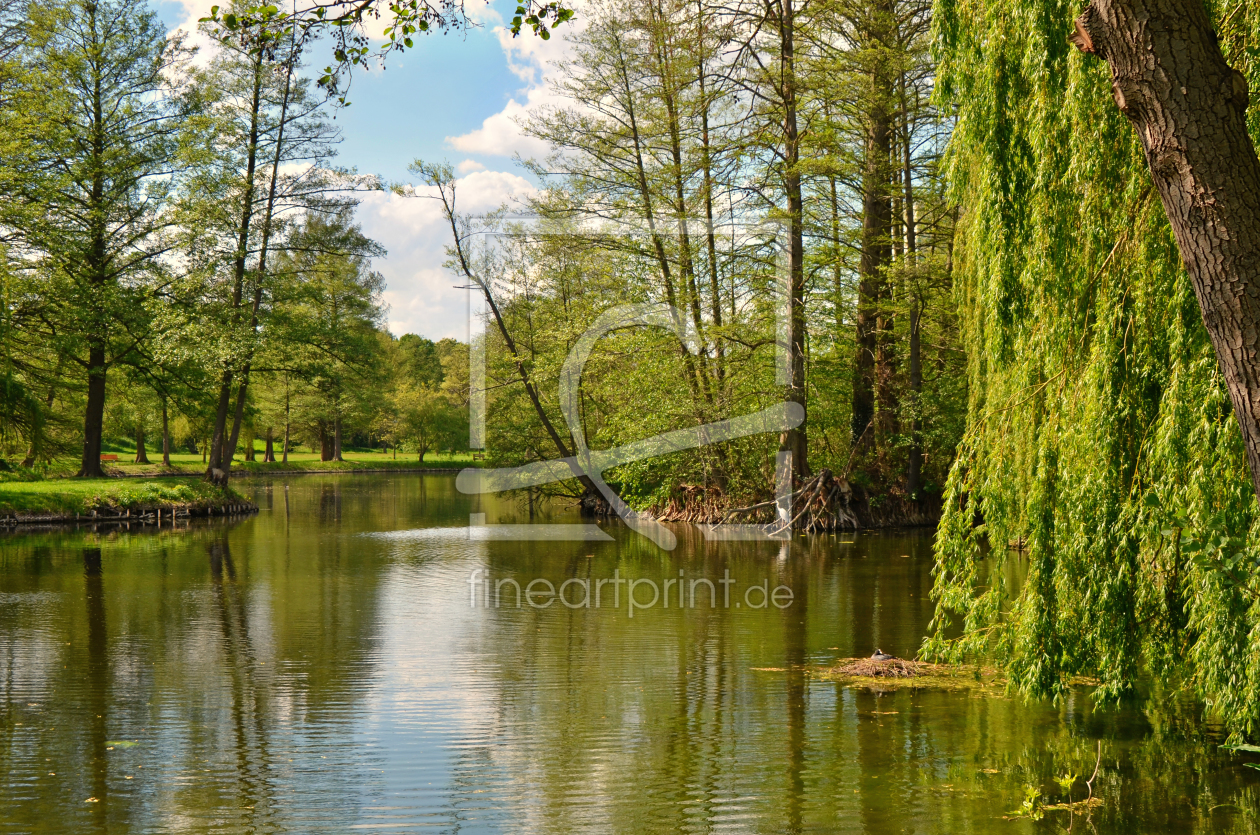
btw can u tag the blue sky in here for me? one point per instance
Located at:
(447, 86)
(452, 98)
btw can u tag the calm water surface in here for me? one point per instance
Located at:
(319, 669)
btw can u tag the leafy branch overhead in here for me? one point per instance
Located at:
(346, 23)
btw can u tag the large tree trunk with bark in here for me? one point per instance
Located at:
(1171, 81)
(142, 457)
(325, 442)
(94, 415)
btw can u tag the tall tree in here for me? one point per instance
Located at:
(769, 60)
(94, 178)
(264, 120)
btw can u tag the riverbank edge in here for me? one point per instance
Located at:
(114, 500)
(243, 473)
(157, 514)
(49, 509)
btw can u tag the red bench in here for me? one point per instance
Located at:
(108, 456)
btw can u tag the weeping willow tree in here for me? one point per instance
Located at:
(1100, 517)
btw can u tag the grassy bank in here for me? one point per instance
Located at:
(191, 464)
(77, 497)
(49, 490)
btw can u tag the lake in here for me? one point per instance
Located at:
(338, 663)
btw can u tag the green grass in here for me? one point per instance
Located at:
(80, 496)
(190, 464)
(48, 490)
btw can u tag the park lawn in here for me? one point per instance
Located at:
(184, 463)
(75, 496)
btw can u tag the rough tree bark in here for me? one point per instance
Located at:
(876, 253)
(1170, 79)
(142, 456)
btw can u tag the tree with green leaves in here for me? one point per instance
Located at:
(324, 324)
(267, 162)
(98, 122)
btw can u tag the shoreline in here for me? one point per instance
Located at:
(254, 473)
(147, 499)
(157, 515)
(110, 501)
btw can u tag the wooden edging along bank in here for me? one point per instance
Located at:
(156, 515)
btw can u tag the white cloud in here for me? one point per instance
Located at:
(500, 135)
(194, 10)
(468, 166)
(421, 292)
(532, 60)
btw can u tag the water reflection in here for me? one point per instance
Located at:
(288, 673)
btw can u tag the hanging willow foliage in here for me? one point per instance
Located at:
(1098, 513)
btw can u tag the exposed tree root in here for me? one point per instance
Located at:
(823, 503)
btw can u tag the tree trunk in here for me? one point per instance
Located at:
(224, 447)
(649, 214)
(591, 496)
(219, 439)
(166, 437)
(269, 451)
(1171, 81)
(250, 455)
(142, 457)
(94, 414)
(260, 273)
(794, 440)
(914, 463)
(325, 447)
(238, 416)
(337, 438)
(914, 474)
(876, 223)
(706, 158)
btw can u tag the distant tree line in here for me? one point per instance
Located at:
(179, 261)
